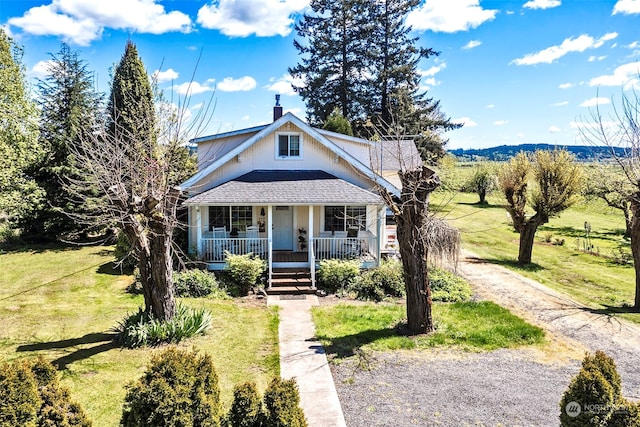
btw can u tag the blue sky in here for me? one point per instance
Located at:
(513, 71)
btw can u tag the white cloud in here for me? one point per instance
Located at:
(626, 7)
(490, 106)
(566, 85)
(593, 102)
(449, 16)
(466, 121)
(82, 21)
(165, 76)
(433, 70)
(472, 44)
(554, 129)
(550, 54)
(41, 69)
(243, 84)
(500, 122)
(192, 88)
(593, 58)
(625, 75)
(541, 4)
(241, 18)
(284, 85)
(560, 104)
(633, 45)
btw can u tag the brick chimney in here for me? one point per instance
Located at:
(277, 109)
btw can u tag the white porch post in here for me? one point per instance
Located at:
(310, 249)
(381, 229)
(270, 242)
(199, 242)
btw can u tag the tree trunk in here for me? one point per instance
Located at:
(635, 244)
(627, 222)
(411, 228)
(482, 193)
(527, 236)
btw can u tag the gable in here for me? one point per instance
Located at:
(261, 151)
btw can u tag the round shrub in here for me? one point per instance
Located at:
(31, 395)
(338, 275)
(282, 404)
(375, 284)
(447, 287)
(246, 409)
(244, 271)
(179, 388)
(195, 283)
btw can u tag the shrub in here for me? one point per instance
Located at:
(447, 287)
(141, 329)
(246, 409)
(282, 404)
(30, 395)
(196, 283)
(179, 388)
(378, 283)
(244, 271)
(594, 397)
(335, 274)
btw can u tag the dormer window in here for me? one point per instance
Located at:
(289, 145)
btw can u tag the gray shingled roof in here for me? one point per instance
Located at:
(286, 187)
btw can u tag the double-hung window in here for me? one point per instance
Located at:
(230, 217)
(341, 218)
(289, 145)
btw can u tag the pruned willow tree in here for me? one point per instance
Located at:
(134, 161)
(621, 129)
(422, 237)
(557, 181)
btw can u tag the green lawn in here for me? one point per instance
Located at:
(471, 326)
(62, 303)
(593, 279)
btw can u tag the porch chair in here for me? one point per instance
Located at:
(220, 242)
(254, 244)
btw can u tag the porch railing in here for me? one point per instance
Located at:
(213, 249)
(344, 247)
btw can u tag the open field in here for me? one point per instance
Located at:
(593, 278)
(61, 303)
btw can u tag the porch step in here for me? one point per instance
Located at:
(291, 281)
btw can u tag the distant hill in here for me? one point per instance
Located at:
(505, 152)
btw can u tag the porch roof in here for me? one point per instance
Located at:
(286, 187)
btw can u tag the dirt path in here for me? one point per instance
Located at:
(572, 327)
(517, 387)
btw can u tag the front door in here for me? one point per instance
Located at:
(283, 228)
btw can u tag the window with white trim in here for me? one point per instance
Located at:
(230, 217)
(341, 218)
(289, 145)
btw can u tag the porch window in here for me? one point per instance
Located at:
(341, 218)
(230, 217)
(289, 145)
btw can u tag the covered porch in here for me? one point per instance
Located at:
(287, 232)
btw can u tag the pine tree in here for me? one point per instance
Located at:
(332, 59)
(69, 112)
(20, 151)
(396, 94)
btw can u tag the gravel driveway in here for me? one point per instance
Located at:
(500, 388)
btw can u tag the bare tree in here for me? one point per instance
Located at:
(607, 182)
(621, 129)
(421, 236)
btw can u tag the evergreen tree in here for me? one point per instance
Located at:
(69, 112)
(336, 122)
(396, 94)
(20, 194)
(131, 111)
(332, 60)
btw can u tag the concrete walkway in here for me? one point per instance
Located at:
(303, 358)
